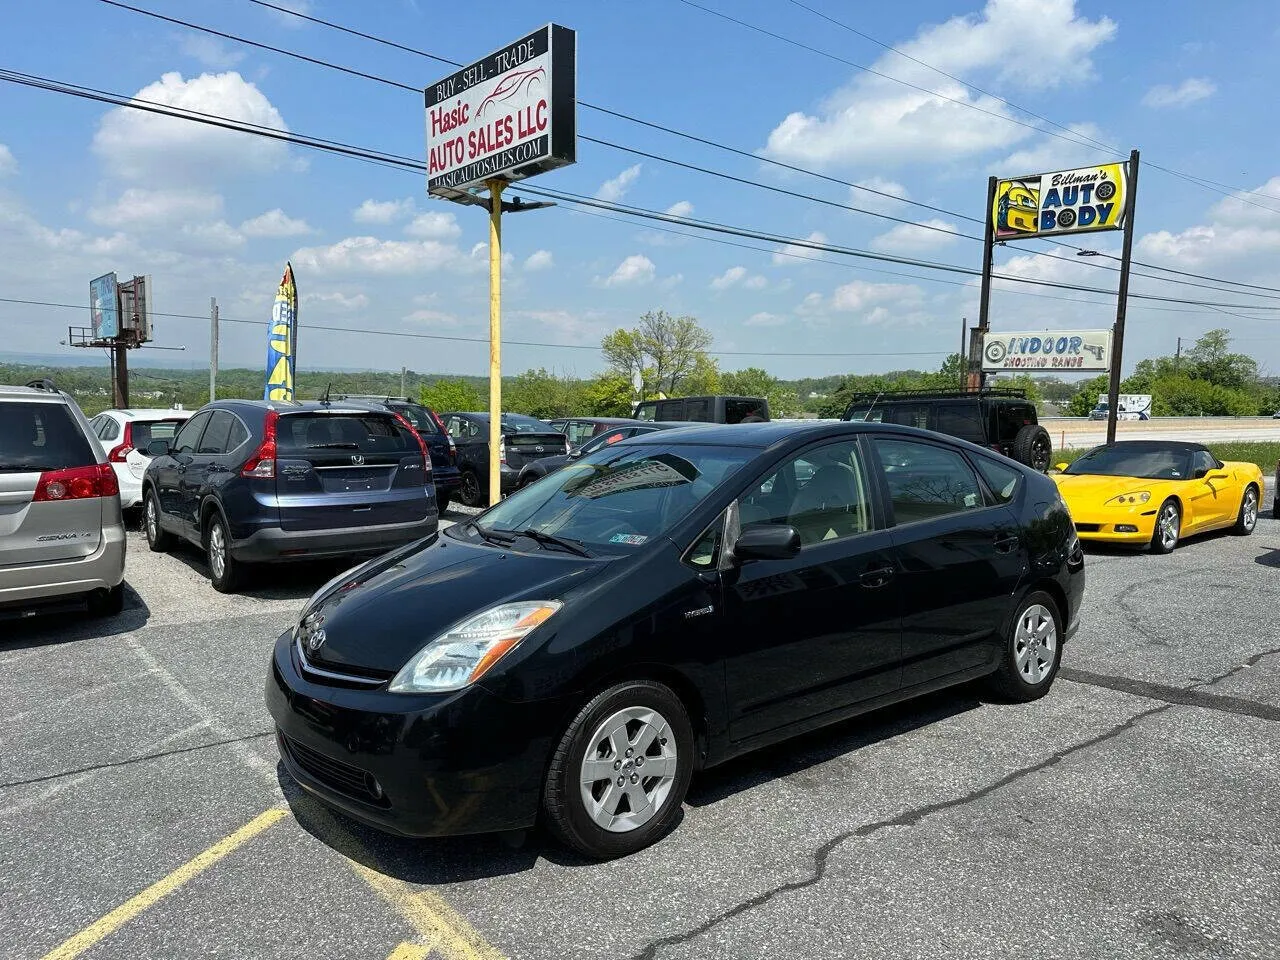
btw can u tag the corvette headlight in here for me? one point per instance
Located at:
(463, 654)
(1129, 499)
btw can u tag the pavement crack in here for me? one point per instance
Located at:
(1180, 696)
(908, 818)
(132, 760)
(1251, 662)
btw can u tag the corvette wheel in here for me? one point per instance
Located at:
(1168, 528)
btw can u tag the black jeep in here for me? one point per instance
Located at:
(1000, 419)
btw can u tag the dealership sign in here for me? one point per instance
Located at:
(1068, 201)
(506, 117)
(1068, 350)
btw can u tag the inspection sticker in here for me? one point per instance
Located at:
(631, 539)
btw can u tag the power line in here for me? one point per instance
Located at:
(716, 173)
(365, 331)
(418, 166)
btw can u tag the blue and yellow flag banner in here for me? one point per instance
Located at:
(281, 340)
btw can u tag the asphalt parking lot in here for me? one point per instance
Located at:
(1131, 813)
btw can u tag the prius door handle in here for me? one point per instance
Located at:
(1007, 544)
(876, 577)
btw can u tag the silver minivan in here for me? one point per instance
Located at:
(62, 534)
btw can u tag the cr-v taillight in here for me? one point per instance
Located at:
(422, 444)
(76, 483)
(118, 454)
(262, 464)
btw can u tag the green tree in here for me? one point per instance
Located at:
(452, 396)
(755, 382)
(662, 350)
(703, 378)
(1212, 360)
(608, 395)
(543, 395)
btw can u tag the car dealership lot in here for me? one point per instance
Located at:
(1129, 814)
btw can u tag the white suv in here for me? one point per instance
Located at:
(124, 436)
(61, 531)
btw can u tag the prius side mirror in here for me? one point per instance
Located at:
(158, 448)
(767, 541)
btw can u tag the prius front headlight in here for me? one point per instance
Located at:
(463, 654)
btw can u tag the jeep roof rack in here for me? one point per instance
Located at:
(881, 396)
(43, 383)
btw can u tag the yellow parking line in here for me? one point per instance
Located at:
(409, 951)
(131, 908)
(438, 925)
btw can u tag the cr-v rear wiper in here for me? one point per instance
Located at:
(550, 539)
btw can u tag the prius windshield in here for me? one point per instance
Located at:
(1139, 460)
(613, 501)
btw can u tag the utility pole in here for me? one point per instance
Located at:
(964, 338)
(213, 349)
(402, 372)
(495, 338)
(1122, 300)
(121, 350)
(1177, 358)
(984, 294)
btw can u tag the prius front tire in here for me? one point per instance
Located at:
(620, 773)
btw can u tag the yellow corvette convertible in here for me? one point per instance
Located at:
(1154, 492)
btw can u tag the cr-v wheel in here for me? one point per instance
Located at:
(224, 569)
(1032, 650)
(620, 773)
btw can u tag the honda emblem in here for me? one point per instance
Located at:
(357, 459)
(538, 448)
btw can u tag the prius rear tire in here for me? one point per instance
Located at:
(619, 775)
(1032, 650)
(159, 540)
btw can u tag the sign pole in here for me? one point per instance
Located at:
(213, 349)
(1122, 301)
(984, 296)
(495, 339)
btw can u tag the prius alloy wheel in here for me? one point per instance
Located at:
(1032, 650)
(621, 771)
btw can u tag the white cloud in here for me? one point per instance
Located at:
(671, 282)
(861, 294)
(143, 209)
(216, 237)
(635, 269)
(434, 225)
(915, 238)
(382, 211)
(539, 260)
(433, 318)
(873, 201)
(209, 51)
(739, 275)
(1189, 91)
(337, 298)
(145, 146)
(8, 163)
(1051, 153)
(763, 319)
(1242, 237)
(274, 223)
(369, 255)
(614, 190)
(789, 253)
(1025, 44)
(681, 208)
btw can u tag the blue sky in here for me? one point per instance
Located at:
(85, 188)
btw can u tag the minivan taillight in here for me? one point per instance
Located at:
(262, 465)
(118, 454)
(502, 450)
(76, 483)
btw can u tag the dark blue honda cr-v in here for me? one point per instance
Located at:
(255, 481)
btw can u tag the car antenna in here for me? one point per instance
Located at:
(867, 416)
(327, 388)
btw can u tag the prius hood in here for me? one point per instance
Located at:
(378, 615)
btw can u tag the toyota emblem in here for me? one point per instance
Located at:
(315, 640)
(310, 631)
(357, 459)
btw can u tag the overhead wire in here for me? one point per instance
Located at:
(692, 167)
(418, 166)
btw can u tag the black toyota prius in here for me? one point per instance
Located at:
(576, 653)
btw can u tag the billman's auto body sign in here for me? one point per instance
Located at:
(1068, 201)
(1080, 350)
(506, 117)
